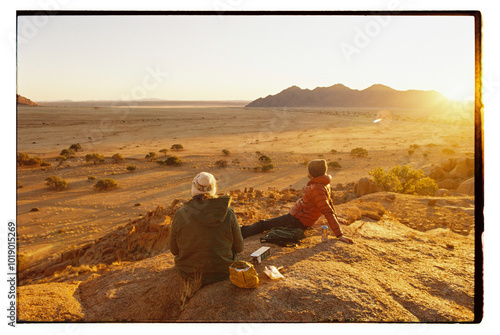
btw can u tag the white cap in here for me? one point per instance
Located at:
(204, 183)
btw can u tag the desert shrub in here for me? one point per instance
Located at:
(411, 152)
(265, 159)
(333, 151)
(163, 151)
(56, 182)
(117, 158)
(221, 163)
(68, 153)
(404, 179)
(160, 162)
(22, 157)
(448, 151)
(267, 167)
(151, 156)
(25, 159)
(258, 153)
(334, 165)
(76, 147)
(94, 158)
(173, 161)
(60, 159)
(236, 161)
(359, 152)
(177, 147)
(226, 152)
(131, 168)
(106, 184)
(91, 178)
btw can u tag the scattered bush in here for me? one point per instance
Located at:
(24, 159)
(221, 163)
(226, 152)
(333, 151)
(151, 156)
(173, 161)
(359, 152)
(164, 151)
(265, 159)
(94, 158)
(131, 168)
(91, 178)
(267, 167)
(56, 183)
(404, 179)
(76, 147)
(117, 158)
(106, 184)
(335, 165)
(68, 153)
(177, 147)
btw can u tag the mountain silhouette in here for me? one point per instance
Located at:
(339, 95)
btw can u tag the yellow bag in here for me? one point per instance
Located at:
(243, 274)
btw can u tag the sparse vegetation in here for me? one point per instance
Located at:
(56, 183)
(151, 156)
(91, 178)
(404, 179)
(177, 147)
(222, 163)
(94, 158)
(265, 159)
(68, 153)
(359, 152)
(131, 168)
(164, 152)
(335, 165)
(267, 167)
(61, 160)
(226, 152)
(76, 147)
(333, 151)
(106, 184)
(117, 158)
(25, 159)
(173, 161)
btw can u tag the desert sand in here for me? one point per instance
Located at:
(396, 229)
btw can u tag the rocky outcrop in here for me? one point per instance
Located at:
(467, 187)
(410, 263)
(24, 101)
(365, 186)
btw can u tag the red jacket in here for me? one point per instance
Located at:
(316, 201)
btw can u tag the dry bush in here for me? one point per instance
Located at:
(56, 183)
(359, 152)
(222, 163)
(131, 168)
(177, 147)
(117, 158)
(94, 158)
(106, 184)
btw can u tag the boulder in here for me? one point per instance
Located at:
(467, 187)
(461, 169)
(441, 192)
(438, 173)
(365, 186)
(448, 164)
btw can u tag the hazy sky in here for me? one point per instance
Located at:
(239, 57)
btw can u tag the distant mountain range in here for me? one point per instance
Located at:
(24, 101)
(378, 96)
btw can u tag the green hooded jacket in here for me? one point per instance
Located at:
(205, 238)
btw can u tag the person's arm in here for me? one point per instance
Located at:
(321, 201)
(238, 243)
(172, 238)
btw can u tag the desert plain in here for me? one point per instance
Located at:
(413, 260)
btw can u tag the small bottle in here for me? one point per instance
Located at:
(324, 233)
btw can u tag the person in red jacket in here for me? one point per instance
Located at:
(315, 202)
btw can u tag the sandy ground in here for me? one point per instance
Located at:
(290, 137)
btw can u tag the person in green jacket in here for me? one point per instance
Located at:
(205, 236)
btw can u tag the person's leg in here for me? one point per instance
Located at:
(281, 221)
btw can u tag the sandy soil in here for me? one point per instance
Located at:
(290, 137)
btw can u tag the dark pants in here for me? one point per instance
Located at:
(286, 220)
